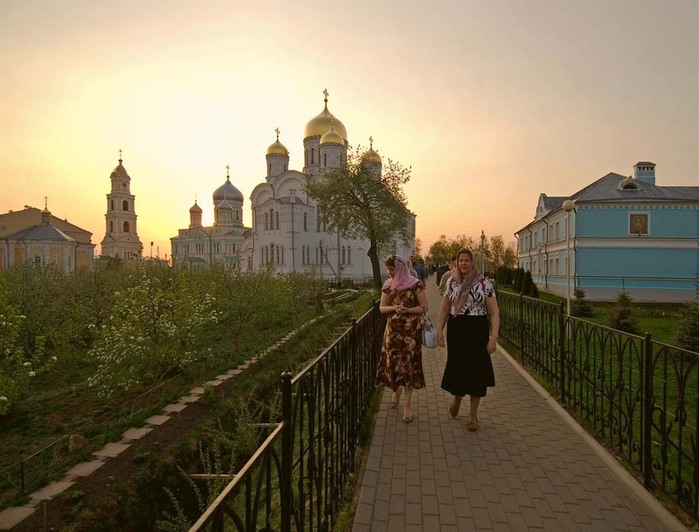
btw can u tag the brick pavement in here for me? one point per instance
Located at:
(528, 467)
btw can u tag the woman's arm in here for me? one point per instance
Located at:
(442, 320)
(491, 306)
(384, 307)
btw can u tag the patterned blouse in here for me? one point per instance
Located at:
(475, 303)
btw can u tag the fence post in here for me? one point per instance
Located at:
(562, 337)
(648, 400)
(354, 393)
(521, 328)
(287, 456)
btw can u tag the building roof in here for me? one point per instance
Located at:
(40, 232)
(606, 189)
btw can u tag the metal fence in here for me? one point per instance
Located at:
(297, 479)
(637, 395)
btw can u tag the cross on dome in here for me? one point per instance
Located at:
(326, 93)
(277, 132)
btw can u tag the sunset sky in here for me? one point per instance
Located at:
(491, 102)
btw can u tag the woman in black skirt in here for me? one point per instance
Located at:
(469, 299)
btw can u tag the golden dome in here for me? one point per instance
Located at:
(322, 123)
(370, 155)
(332, 137)
(277, 148)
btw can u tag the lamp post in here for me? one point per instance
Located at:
(568, 205)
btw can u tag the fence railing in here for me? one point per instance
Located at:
(637, 395)
(298, 477)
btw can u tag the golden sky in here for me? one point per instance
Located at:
(491, 102)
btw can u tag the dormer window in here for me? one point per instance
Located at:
(629, 184)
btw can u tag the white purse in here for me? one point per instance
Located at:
(429, 333)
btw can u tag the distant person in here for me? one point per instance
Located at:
(403, 299)
(469, 300)
(446, 276)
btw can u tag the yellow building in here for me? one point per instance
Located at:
(31, 234)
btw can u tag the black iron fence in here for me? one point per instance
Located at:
(637, 395)
(298, 477)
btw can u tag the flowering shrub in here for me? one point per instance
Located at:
(153, 332)
(17, 369)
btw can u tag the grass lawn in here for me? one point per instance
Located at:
(659, 319)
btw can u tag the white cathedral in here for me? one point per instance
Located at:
(287, 231)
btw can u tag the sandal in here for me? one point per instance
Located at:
(472, 425)
(407, 419)
(395, 397)
(454, 406)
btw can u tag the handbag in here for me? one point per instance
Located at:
(429, 333)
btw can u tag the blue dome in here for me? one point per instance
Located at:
(228, 191)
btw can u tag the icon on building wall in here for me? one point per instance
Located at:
(638, 224)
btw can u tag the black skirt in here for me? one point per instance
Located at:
(469, 369)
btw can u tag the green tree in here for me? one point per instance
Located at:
(621, 317)
(152, 332)
(359, 203)
(17, 367)
(687, 336)
(580, 306)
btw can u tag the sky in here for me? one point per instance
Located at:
(489, 102)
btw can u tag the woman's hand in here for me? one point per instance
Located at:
(492, 345)
(440, 339)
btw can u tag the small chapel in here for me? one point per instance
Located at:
(287, 231)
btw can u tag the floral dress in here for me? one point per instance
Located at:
(401, 352)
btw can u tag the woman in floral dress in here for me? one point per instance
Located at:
(404, 299)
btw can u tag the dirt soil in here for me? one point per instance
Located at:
(57, 513)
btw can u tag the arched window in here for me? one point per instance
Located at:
(112, 205)
(305, 221)
(271, 253)
(126, 227)
(325, 159)
(271, 218)
(277, 220)
(313, 155)
(269, 170)
(125, 205)
(111, 227)
(266, 221)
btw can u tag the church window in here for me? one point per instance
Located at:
(269, 169)
(343, 255)
(317, 255)
(285, 168)
(111, 227)
(308, 254)
(349, 255)
(126, 227)
(237, 214)
(271, 218)
(266, 221)
(277, 220)
(325, 159)
(305, 221)
(112, 205)
(305, 157)
(125, 205)
(282, 255)
(313, 155)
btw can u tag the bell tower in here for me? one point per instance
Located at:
(121, 236)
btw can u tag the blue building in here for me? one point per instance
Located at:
(626, 234)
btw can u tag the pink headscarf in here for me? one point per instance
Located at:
(401, 280)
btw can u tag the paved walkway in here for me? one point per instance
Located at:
(528, 467)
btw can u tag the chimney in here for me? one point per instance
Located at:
(644, 172)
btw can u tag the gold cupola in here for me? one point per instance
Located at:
(332, 137)
(277, 148)
(324, 122)
(370, 155)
